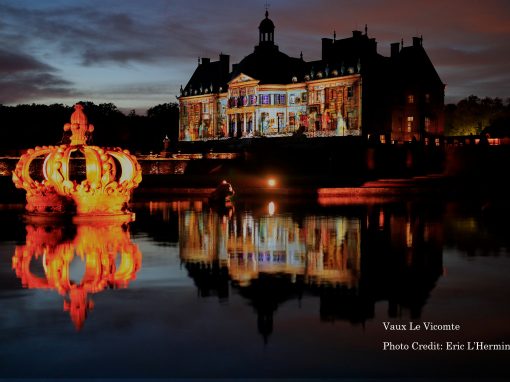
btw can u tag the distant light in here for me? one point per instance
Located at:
(271, 208)
(271, 182)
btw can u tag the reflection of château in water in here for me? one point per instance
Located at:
(349, 261)
(323, 250)
(109, 257)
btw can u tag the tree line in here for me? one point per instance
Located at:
(475, 116)
(25, 126)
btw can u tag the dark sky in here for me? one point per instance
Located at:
(137, 53)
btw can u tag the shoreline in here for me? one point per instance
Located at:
(370, 191)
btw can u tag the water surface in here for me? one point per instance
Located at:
(268, 289)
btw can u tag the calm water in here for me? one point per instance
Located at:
(266, 290)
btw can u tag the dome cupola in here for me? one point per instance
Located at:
(266, 31)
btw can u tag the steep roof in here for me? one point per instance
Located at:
(270, 66)
(209, 75)
(413, 67)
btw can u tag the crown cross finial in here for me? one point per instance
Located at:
(267, 9)
(79, 126)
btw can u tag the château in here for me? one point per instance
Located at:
(351, 91)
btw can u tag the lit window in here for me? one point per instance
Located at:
(265, 99)
(427, 98)
(410, 124)
(427, 124)
(410, 99)
(292, 99)
(409, 236)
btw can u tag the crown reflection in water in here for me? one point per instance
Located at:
(110, 175)
(109, 257)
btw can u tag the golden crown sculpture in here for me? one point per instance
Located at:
(111, 260)
(111, 175)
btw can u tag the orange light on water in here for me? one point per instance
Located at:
(271, 182)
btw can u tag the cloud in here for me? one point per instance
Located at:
(23, 77)
(108, 34)
(59, 43)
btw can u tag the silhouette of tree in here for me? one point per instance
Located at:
(25, 126)
(473, 115)
(31, 125)
(164, 121)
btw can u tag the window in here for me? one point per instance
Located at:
(320, 96)
(281, 121)
(265, 99)
(410, 99)
(427, 124)
(279, 99)
(264, 122)
(253, 99)
(313, 97)
(292, 99)
(427, 98)
(410, 121)
(350, 92)
(332, 95)
(292, 119)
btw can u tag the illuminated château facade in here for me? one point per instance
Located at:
(351, 91)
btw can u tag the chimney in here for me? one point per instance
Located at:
(327, 43)
(356, 34)
(395, 49)
(225, 62)
(416, 41)
(205, 60)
